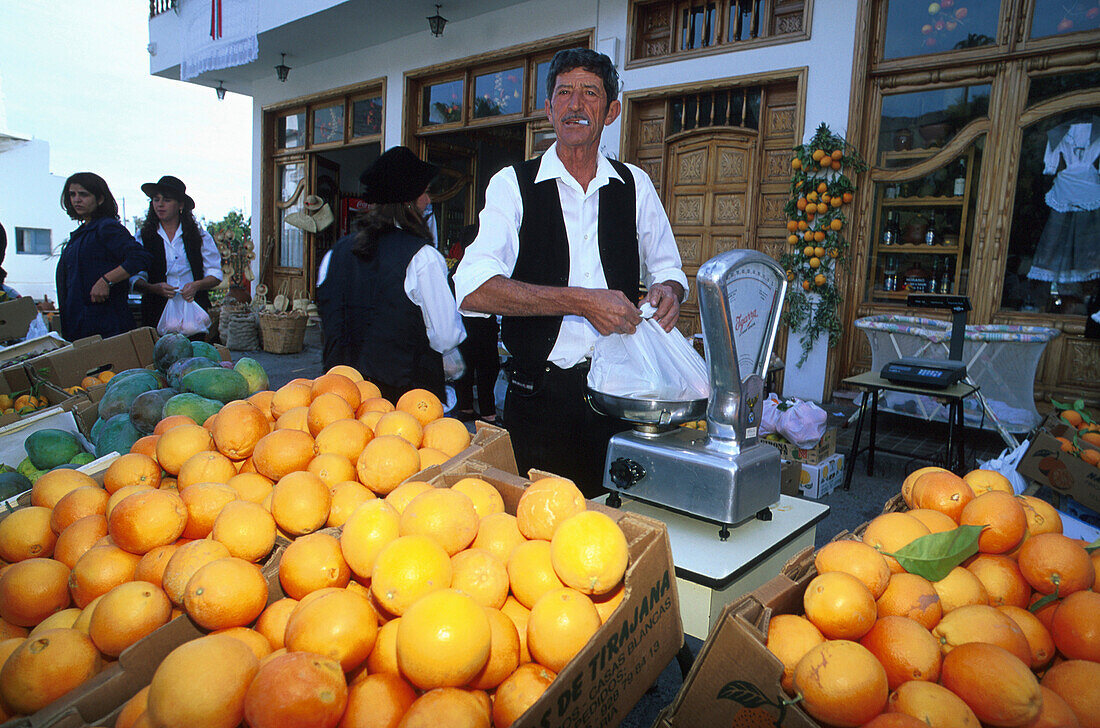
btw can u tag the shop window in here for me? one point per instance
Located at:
(744, 22)
(291, 130)
(1058, 17)
(1053, 260)
(542, 72)
(291, 239)
(697, 26)
(916, 28)
(668, 29)
(328, 124)
(366, 116)
(498, 93)
(442, 103)
(927, 120)
(739, 107)
(1047, 87)
(32, 241)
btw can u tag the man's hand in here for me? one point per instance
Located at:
(100, 291)
(665, 297)
(189, 290)
(161, 289)
(610, 311)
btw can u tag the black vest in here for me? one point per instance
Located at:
(543, 257)
(368, 320)
(152, 305)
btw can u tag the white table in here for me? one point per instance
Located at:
(711, 573)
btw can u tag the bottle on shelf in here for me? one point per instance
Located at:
(931, 233)
(891, 235)
(890, 273)
(960, 178)
(915, 279)
(943, 284)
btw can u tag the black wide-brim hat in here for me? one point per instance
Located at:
(397, 176)
(169, 186)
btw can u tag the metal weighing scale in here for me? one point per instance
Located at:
(724, 475)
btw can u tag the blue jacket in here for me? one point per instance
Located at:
(95, 248)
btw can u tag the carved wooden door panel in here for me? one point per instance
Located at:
(709, 178)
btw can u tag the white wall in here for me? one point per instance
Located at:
(31, 199)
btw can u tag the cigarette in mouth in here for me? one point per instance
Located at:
(583, 122)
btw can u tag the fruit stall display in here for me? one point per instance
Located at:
(404, 601)
(1083, 439)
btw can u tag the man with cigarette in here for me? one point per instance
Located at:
(565, 239)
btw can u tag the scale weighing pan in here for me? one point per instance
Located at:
(724, 475)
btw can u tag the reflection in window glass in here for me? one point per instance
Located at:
(1058, 17)
(291, 246)
(542, 70)
(1047, 87)
(1053, 262)
(498, 93)
(443, 103)
(928, 119)
(328, 124)
(366, 117)
(915, 28)
(291, 128)
(697, 26)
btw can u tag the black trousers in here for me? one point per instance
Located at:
(479, 350)
(552, 427)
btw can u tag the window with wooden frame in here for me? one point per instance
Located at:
(672, 29)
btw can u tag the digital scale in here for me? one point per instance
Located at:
(934, 373)
(725, 475)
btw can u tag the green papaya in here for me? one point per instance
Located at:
(206, 351)
(253, 373)
(169, 349)
(12, 484)
(185, 366)
(117, 399)
(224, 385)
(27, 470)
(6, 468)
(195, 406)
(147, 409)
(82, 458)
(118, 435)
(93, 434)
(49, 448)
(122, 377)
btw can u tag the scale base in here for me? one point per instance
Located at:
(676, 470)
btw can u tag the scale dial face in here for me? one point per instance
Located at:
(752, 292)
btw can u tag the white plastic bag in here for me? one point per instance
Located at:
(769, 419)
(649, 364)
(183, 317)
(37, 328)
(803, 423)
(1006, 463)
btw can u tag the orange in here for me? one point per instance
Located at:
(531, 572)
(839, 605)
(1076, 626)
(84, 501)
(152, 565)
(942, 491)
(606, 604)
(172, 421)
(369, 528)
(982, 481)
(385, 462)
(1045, 613)
(65, 619)
(283, 452)
(994, 683)
(369, 417)
(251, 486)
(559, 626)
(1042, 517)
(401, 424)
(519, 615)
(1073, 417)
(339, 384)
(978, 623)
(367, 389)
(126, 614)
(910, 481)
(10, 631)
(841, 683)
(26, 534)
(347, 495)
(1055, 712)
(421, 404)
(959, 588)
(546, 503)
(378, 701)
(145, 520)
(300, 503)
(383, 658)
(444, 640)
(147, 446)
(341, 625)
(1002, 579)
(228, 592)
(481, 576)
(894, 720)
(503, 652)
(247, 529)
(54, 485)
(84, 621)
(202, 683)
(498, 534)
(374, 404)
(295, 418)
(128, 490)
(99, 570)
(1039, 640)
(589, 552)
(1003, 518)
(239, 426)
(344, 437)
(32, 590)
(790, 637)
(454, 706)
(408, 568)
(1052, 562)
(443, 514)
(1075, 682)
(906, 649)
(327, 408)
(909, 595)
(332, 469)
(272, 621)
(936, 521)
(403, 494)
(890, 531)
(133, 708)
(45, 667)
(262, 400)
(204, 501)
(855, 558)
(178, 444)
(447, 435)
(347, 371)
(486, 499)
(290, 395)
(183, 564)
(932, 704)
(519, 691)
(256, 642)
(312, 562)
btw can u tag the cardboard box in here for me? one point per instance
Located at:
(823, 450)
(14, 435)
(67, 367)
(24, 351)
(790, 478)
(1065, 473)
(818, 481)
(490, 445)
(15, 381)
(16, 317)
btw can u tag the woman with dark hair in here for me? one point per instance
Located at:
(386, 307)
(184, 260)
(99, 255)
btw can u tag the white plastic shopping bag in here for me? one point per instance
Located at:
(183, 317)
(769, 419)
(803, 423)
(651, 363)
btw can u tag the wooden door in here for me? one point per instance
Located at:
(709, 179)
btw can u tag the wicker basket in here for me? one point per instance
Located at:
(283, 333)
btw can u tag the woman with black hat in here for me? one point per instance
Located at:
(98, 257)
(184, 259)
(386, 308)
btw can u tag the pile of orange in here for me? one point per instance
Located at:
(976, 648)
(21, 403)
(1085, 442)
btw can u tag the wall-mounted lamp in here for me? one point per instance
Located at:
(436, 23)
(220, 91)
(282, 69)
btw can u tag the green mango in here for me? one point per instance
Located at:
(49, 448)
(224, 385)
(254, 374)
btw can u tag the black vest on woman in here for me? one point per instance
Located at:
(152, 305)
(369, 322)
(543, 257)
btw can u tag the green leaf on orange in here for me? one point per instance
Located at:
(935, 555)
